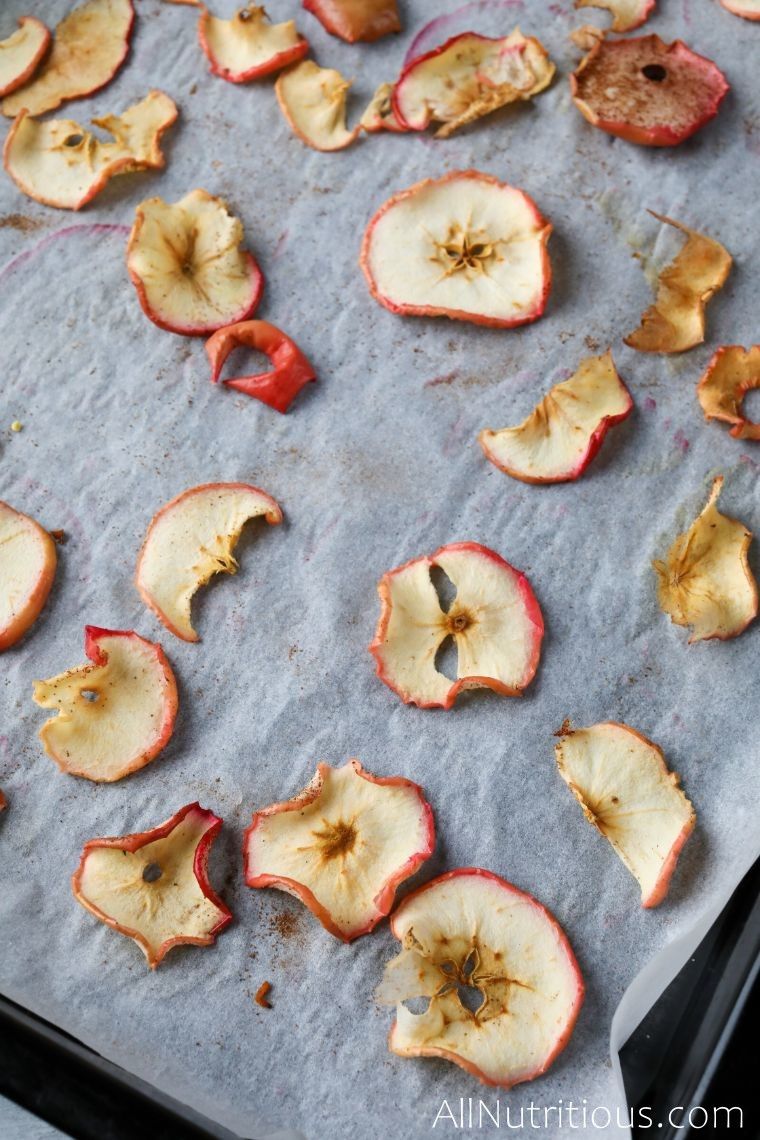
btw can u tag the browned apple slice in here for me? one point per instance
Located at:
(342, 846)
(731, 373)
(248, 46)
(355, 20)
(21, 53)
(313, 100)
(471, 930)
(626, 14)
(191, 539)
(27, 568)
(277, 388)
(628, 793)
(154, 886)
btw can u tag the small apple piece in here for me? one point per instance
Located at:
(356, 20)
(191, 539)
(647, 91)
(248, 46)
(706, 582)
(464, 246)
(494, 620)
(747, 9)
(561, 436)
(89, 47)
(153, 886)
(626, 14)
(676, 320)
(187, 266)
(468, 77)
(627, 792)
(21, 53)
(27, 568)
(380, 115)
(313, 100)
(277, 388)
(470, 929)
(731, 373)
(342, 846)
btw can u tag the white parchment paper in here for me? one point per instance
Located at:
(377, 463)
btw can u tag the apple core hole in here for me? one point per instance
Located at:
(90, 695)
(471, 997)
(444, 588)
(73, 140)
(246, 362)
(417, 1005)
(654, 71)
(447, 658)
(152, 873)
(751, 404)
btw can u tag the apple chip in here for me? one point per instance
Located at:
(89, 47)
(626, 790)
(468, 77)
(676, 320)
(494, 621)
(248, 46)
(380, 115)
(277, 388)
(647, 91)
(191, 539)
(731, 373)
(21, 53)
(154, 886)
(27, 568)
(747, 9)
(706, 582)
(342, 846)
(313, 100)
(464, 246)
(187, 266)
(61, 164)
(355, 20)
(626, 14)
(565, 431)
(467, 931)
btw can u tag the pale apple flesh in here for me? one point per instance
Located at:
(313, 100)
(471, 929)
(747, 9)
(356, 20)
(28, 562)
(277, 388)
(248, 46)
(153, 887)
(626, 14)
(191, 539)
(21, 53)
(731, 373)
(379, 115)
(564, 432)
(342, 846)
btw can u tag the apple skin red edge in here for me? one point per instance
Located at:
(34, 63)
(278, 388)
(257, 282)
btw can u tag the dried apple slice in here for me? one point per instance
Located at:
(277, 388)
(21, 53)
(61, 164)
(191, 539)
(154, 886)
(731, 373)
(565, 430)
(89, 47)
(342, 846)
(626, 790)
(115, 715)
(706, 582)
(248, 46)
(676, 320)
(380, 115)
(356, 20)
(187, 266)
(494, 620)
(464, 246)
(647, 91)
(468, 77)
(626, 14)
(27, 568)
(313, 100)
(470, 929)
(747, 9)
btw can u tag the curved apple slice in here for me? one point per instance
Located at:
(89, 47)
(248, 46)
(342, 846)
(471, 929)
(494, 620)
(564, 432)
(468, 77)
(379, 115)
(731, 373)
(187, 266)
(647, 91)
(747, 9)
(61, 164)
(27, 568)
(313, 100)
(277, 388)
(21, 53)
(153, 886)
(676, 320)
(627, 792)
(191, 539)
(464, 246)
(706, 582)
(626, 14)
(356, 20)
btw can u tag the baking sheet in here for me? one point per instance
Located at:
(377, 463)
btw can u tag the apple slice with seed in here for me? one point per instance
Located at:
(27, 568)
(248, 46)
(191, 539)
(464, 246)
(747, 9)
(628, 793)
(277, 388)
(313, 100)
(21, 53)
(356, 20)
(626, 14)
(705, 582)
(564, 432)
(494, 621)
(470, 934)
(153, 886)
(342, 846)
(731, 373)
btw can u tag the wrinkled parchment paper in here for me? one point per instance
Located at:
(375, 464)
